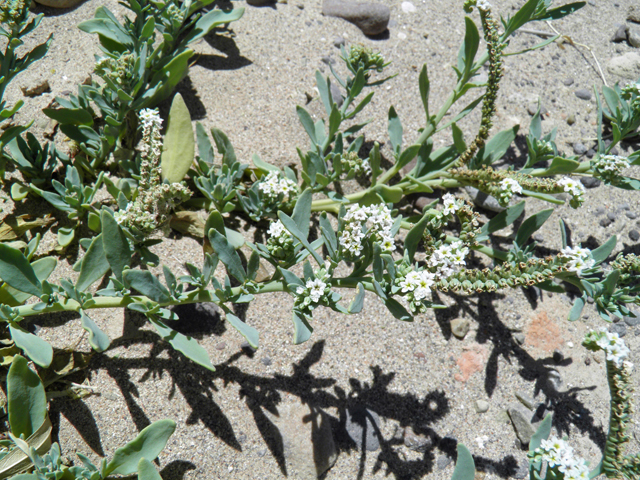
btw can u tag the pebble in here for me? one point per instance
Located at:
(482, 406)
(611, 216)
(532, 108)
(634, 13)
(460, 327)
(591, 153)
(522, 471)
(634, 37)
(417, 443)
(360, 418)
(634, 235)
(59, 3)
(553, 381)
(627, 65)
(571, 119)
(632, 321)
(557, 357)
(600, 211)
(339, 42)
(620, 328)
(590, 182)
(621, 34)
(624, 206)
(483, 200)
(266, 361)
(521, 424)
(36, 89)
(371, 18)
(443, 461)
(260, 3)
(221, 346)
(579, 148)
(519, 338)
(605, 222)
(568, 82)
(631, 215)
(583, 94)
(408, 7)
(336, 94)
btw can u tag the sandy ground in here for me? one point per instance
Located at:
(247, 81)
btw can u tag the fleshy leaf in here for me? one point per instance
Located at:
(179, 144)
(27, 401)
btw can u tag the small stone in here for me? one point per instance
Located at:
(571, 119)
(634, 37)
(262, 452)
(522, 471)
(327, 60)
(460, 327)
(538, 237)
(408, 7)
(605, 222)
(579, 148)
(482, 406)
(590, 182)
(624, 206)
(568, 82)
(620, 328)
(532, 108)
(583, 94)
(371, 18)
(336, 94)
(402, 36)
(631, 215)
(626, 66)
(557, 356)
(600, 211)
(526, 400)
(634, 13)
(59, 3)
(591, 153)
(519, 338)
(339, 42)
(521, 424)
(612, 216)
(587, 360)
(553, 381)
(632, 321)
(260, 3)
(483, 200)
(634, 235)
(417, 443)
(362, 420)
(443, 461)
(221, 346)
(36, 89)
(266, 361)
(621, 34)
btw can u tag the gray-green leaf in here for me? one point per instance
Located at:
(17, 272)
(33, 346)
(179, 144)
(248, 332)
(27, 401)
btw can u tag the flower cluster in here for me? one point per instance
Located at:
(314, 291)
(119, 70)
(350, 161)
(483, 5)
(508, 187)
(577, 258)
(573, 188)
(155, 198)
(417, 283)
(560, 459)
(614, 347)
(451, 205)
(174, 13)
(365, 58)
(277, 188)
(610, 167)
(374, 222)
(632, 92)
(280, 242)
(448, 258)
(13, 12)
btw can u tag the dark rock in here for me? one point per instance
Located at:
(590, 182)
(631, 215)
(591, 153)
(326, 59)
(634, 235)
(371, 18)
(522, 471)
(612, 216)
(621, 34)
(532, 108)
(605, 222)
(266, 361)
(568, 82)
(483, 200)
(632, 321)
(553, 381)
(571, 119)
(583, 94)
(557, 357)
(620, 328)
(363, 422)
(579, 148)
(260, 3)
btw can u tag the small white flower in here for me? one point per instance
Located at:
(150, 118)
(483, 5)
(450, 205)
(316, 289)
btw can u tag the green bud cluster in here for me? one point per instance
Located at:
(351, 162)
(119, 70)
(363, 57)
(507, 275)
(631, 93)
(434, 234)
(496, 70)
(469, 224)
(629, 267)
(13, 12)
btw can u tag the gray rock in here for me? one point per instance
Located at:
(482, 406)
(483, 200)
(553, 381)
(362, 422)
(339, 42)
(521, 423)
(526, 400)
(336, 94)
(443, 461)
(371, 18)
(605, 222)
(266, 361)
(624, 206)
(260, 3)
(632, 321)
(568, 82)
(634, 13)
(309, 449)
(460, 327)
(631, 215)
(579, 148)
(590, 182)
(600, 211)
(611, 216)
(634, 235)
(538, 237)
(519, 338)
(532, 108)
(591, 153)
(417, 443)
(620, 328)
(621, 34)
(626, 66)
(634, 37)
(583, 94)
(522, 471)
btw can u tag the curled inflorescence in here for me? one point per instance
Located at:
(13, 12)
(118, 70)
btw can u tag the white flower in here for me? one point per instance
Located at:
(572, 187)
(579, 258)
(483, 5)
(316, 289)
(273, 186)
(150, 118)
(377, 221)
(450, 205)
